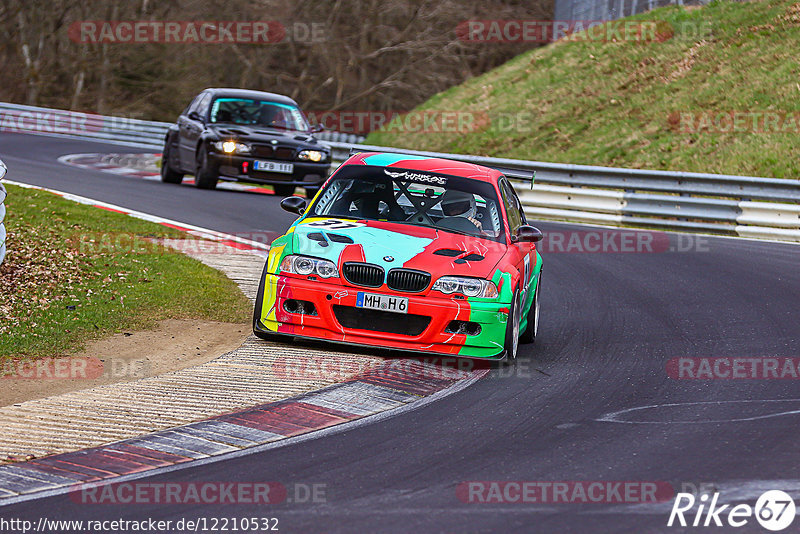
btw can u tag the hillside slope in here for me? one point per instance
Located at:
(664, 104)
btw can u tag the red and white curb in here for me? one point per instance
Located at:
(389, 386)
(142, 166)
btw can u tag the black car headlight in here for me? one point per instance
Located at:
(312, 155)
(232, 147)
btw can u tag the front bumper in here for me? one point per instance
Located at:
(273, 318)
(305, 173)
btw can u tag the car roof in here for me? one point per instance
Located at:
(251, 94)
(424, 163)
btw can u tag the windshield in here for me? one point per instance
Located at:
(258, 113)
(449, 203)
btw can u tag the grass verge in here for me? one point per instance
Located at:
(75, 272)
(627, 103)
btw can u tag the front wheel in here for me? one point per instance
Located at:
(168, 175)
(205, 177)
(512, 329)
(311, 192)
(532, 328)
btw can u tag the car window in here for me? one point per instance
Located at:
(449, 203)
(192, 104)
(202, 106)
(513, 207)
(196, 103)
(518, 203)
(258, 113)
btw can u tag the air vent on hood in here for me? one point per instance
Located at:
(319, 237)
(323, 239)
(337, 238)
(449, 252)
(469, 257)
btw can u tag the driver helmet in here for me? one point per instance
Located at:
(459, 204)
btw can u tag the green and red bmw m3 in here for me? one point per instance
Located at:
(406, 252)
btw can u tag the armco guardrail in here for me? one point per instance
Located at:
(3, 193)
(120, 130)
(737, 205)
(767, 208)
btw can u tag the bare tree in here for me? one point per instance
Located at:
(365, 54)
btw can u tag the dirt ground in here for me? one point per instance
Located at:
(175, 344)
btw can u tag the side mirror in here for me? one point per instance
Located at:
(294, 205)
(317, 128)
(528, 234)
(195, 116)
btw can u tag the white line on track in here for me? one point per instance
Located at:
(614, 417)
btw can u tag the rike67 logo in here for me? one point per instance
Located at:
(774, 510)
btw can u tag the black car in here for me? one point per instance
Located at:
(253, 136)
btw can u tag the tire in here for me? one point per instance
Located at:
(168, 175)
(311, 191)
(204, 177)
(283, 190)
(512, 329)
(532, 328)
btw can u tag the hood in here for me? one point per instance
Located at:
(265, 134)
(393, 245)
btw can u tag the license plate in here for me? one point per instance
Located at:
(372, 301)
(273, 166)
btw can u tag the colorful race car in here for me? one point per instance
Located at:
(406, 252)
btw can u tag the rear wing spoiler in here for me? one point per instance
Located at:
(519, 175)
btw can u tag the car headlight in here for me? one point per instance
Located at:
(305, 265)
(312, 155)
(469, 287)
(232, 147)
